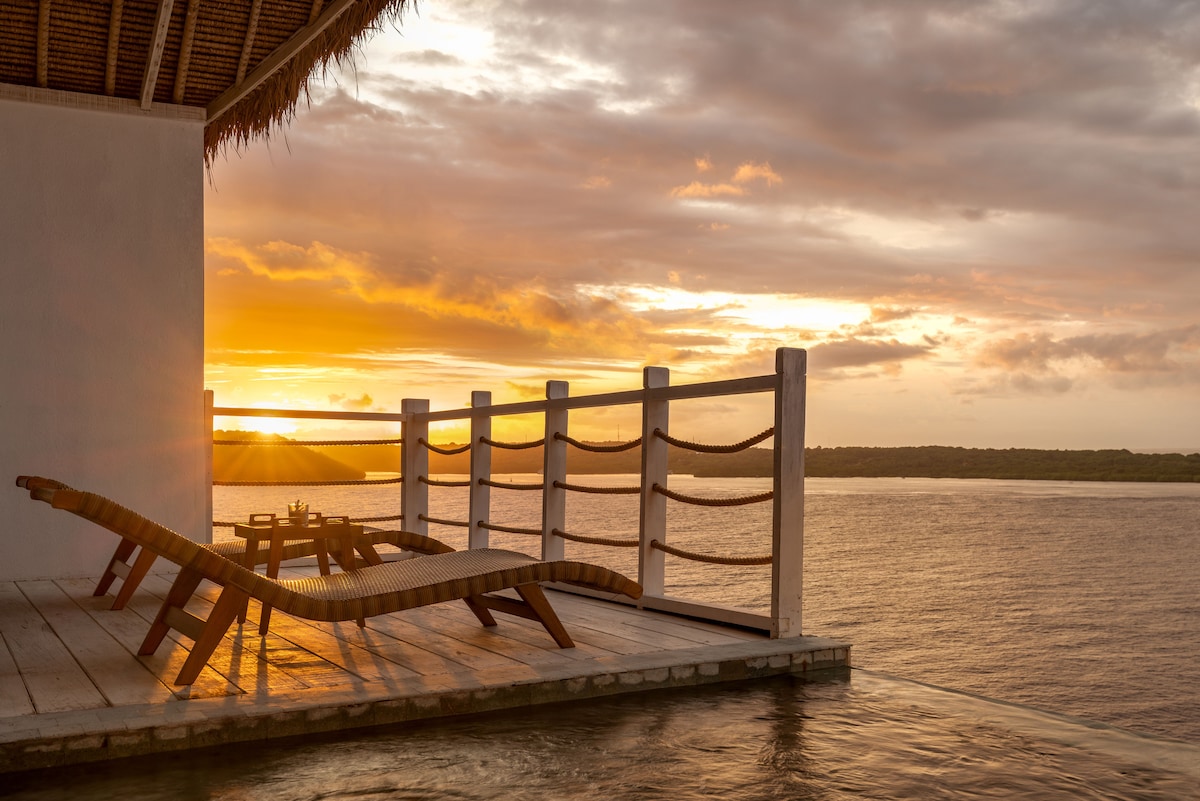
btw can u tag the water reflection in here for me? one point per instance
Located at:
(863, 737)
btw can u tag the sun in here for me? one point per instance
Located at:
(266, 425)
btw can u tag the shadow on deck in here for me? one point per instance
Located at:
(72, 689)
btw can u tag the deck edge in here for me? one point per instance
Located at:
(46, 741)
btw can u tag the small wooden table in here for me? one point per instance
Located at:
(319, 530)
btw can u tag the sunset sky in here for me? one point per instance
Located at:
(982, 219)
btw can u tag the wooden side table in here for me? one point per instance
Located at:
(276, 531)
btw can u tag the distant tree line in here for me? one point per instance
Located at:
(933, 461)
(930, 461)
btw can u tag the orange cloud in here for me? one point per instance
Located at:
(699, 190)
(271, 303)
(751, 171)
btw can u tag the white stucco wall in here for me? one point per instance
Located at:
(101, 327)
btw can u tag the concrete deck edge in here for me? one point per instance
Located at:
(52, 740)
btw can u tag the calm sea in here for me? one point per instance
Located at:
(1074, 597)
(1012, 639)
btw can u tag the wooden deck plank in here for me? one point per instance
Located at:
(105, 660)
(468, 654)
(54, 681)
(504, 639)
(615, 628)
(411, 655)
(129, 626)
(588, 645)
(14, 699)
(604, 616)
(256, 665)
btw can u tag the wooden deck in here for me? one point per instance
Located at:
(72, 689)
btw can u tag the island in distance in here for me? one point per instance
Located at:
(252, 462)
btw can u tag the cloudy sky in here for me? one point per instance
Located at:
(981, 219)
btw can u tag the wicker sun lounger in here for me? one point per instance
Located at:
(469, 576)
(132, 569)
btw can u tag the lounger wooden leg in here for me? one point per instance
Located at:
(224, 611)
(368, 552)
(532, 606)
(141, 567)
(121, 556)
(181, 591)
(481, 611)
(533, 595)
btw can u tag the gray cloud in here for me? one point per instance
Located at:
(1161, 351)
(860, 353)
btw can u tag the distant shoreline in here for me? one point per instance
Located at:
(929, 461)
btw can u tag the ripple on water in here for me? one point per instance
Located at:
(871, 736)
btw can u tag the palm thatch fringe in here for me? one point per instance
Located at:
(273, 104)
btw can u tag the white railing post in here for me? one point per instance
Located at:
(414, 463)
(652, 518)
(208, 468)
(787, 527)
(554, 468)
(479, 506)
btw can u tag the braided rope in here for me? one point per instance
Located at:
(443, 522)
(535, 532)
(742, 501)
(598, 490)
(258, 443)
(436, 482)
(223, 524)
(360, 482)
(709, 558)
(513, 446)
(487, 482)
(583, 446)
(694, 446)
(611, 541)
(444, 451)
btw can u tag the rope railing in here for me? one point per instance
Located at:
(585, 446)
(444, 450)
(710, 558)
(443, 522)
(698, 501)
(314, 443)
(614, 542)
(534, 532)
(508, 485)
(382, 519)
(285, 483)
(597, 490)
(698, 448)
(438, 482)
(513, 446)
(549, 518)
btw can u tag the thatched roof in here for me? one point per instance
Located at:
(245, 62)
